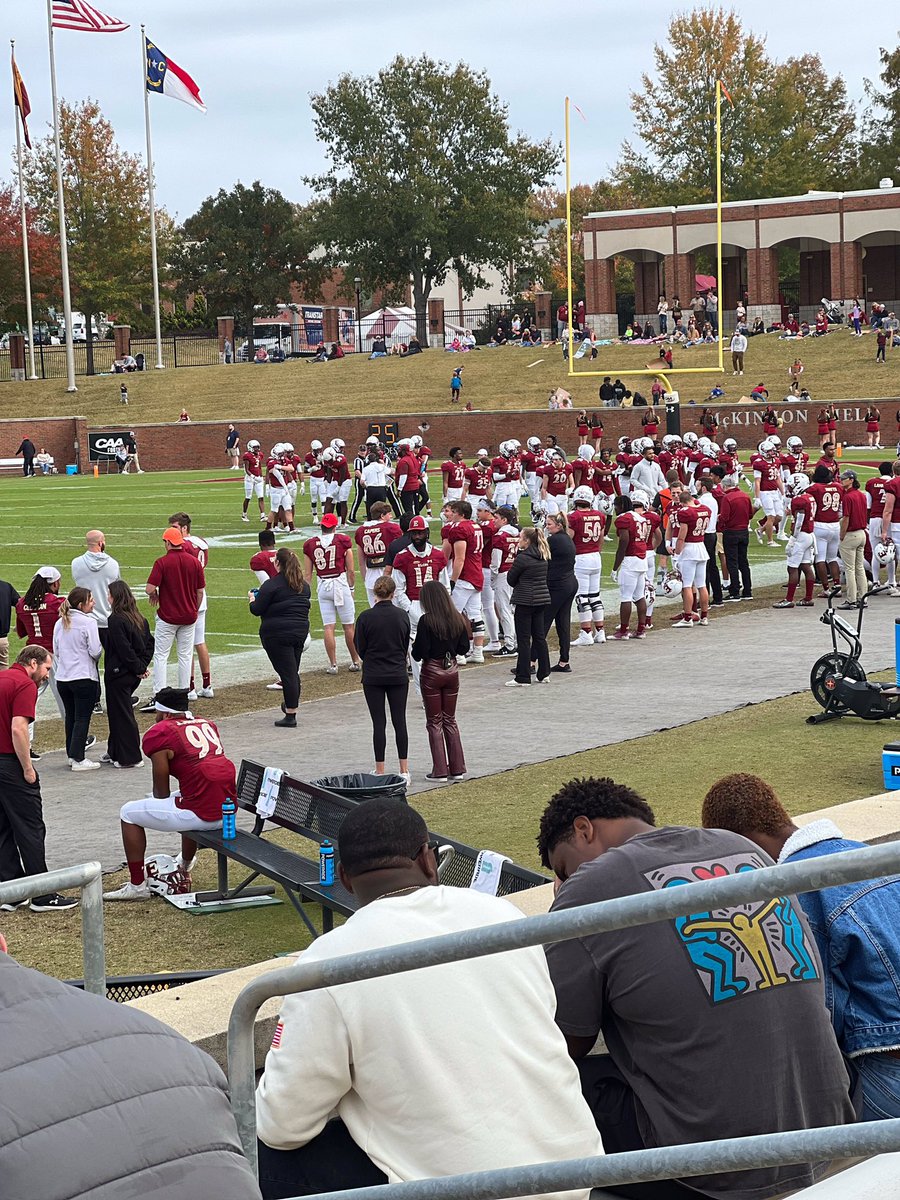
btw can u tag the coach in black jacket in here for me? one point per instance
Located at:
(128, 652)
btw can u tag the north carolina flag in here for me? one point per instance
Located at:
(22, 102)
(166, 78)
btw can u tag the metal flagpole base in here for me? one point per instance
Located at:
(160, 367)
(73, 388)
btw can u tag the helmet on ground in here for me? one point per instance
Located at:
(585, 453)
(165, 877)
(640, 498)
(691, 439)
(798, 483)
(583, 495)
(794, 444)
(329, 454)
(729, 446)
(534, 443)
(671, 583)
(253, 444)
(337, 443)
(885, 552)
(315, 444)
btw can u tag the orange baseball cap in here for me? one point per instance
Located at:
(173, 536)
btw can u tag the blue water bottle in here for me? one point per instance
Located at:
(229, 828)
(326, 864)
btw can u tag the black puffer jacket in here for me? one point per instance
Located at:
(102, 1101)
(528, 579)
(284, 613)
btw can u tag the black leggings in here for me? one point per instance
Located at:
(285, 658)
(559, 610)
(395, 694)
(79, 697)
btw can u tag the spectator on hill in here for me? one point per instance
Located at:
(757, 327)
(366, 1051)
(379, 350)
(742, 985)
(738, 349)
(662, 311)
(607, 393)
(856, 927)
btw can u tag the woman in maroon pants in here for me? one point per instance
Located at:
(441, 635)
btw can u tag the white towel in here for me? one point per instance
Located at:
(268, 792)
(486, 876)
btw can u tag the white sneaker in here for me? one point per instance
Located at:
(759, 536)
(244, 517)
(461, 660)
(331, 669)
(406, 776)
(86, 765)
(584, 639)
(274, 687)
(600, 637)
(205, 693)
(684, 624)
(192, 694)
(262, 516)
(782, 537)
(477, 656)
(130, 891)
(492, 648)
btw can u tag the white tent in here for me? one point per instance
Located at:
(396, 324)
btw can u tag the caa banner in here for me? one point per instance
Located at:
(103, 446)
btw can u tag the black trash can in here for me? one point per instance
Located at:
(363, 786)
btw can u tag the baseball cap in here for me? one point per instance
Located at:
(171, 700)
(329, 521)
(482, 453)
(49, 573)
(417, 523)
(848, 475)
(173, 536)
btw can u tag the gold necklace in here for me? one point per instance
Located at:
(401, 891)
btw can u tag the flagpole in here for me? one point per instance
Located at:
(154, 266)
(25, 256)
(720, 282)
(61, 204)
(571, 354)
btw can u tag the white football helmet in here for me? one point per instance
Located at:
(253, 444)
(604, 503)
(636, 446)
(640, 498)
(585, 453)
(583, 495)
(671, 440)
(671, 583)
(329, 454)
(885, 552)
(767, 446)
(554, 452)
(315, 445)
(288, 448)
(713, 449)
(794, 444)
(534, 443)
(775, 440)
(691, 440)
(797, 484)
(729, 446)
(504, 448)
(337, 444)
(372, 441)
(645, 443)
(624, 443)
(703, 445)
(165, 877)
(277, 449)
(415, 441)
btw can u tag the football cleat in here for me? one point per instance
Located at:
(130, 891)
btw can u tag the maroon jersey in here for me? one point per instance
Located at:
(196, 546)
(506, 470)
(704, 466)
(666, 460)
(803, 509)
(796, 464)
(588, 527)
(892, 487)
(606, 479)
(875, 490)
(264, 560)
(36, 624)
(373, 539)
(315, 468)
(419, 569)
(338, 470)
(409, 466)
(584, 473)
(729, 462)
(695, 517)
(423, 454)
(508, 545)
(769, 471)
(487, 545)
(253, 464)
(205, 776)
(832, 464)
(638, 528)
(679, 462)
(288, 472)
(454, 474)
(827, 497)
(558, 475)
(531, 462)
(478, 480)
(470, 534)
(328, 560)
(275, 473)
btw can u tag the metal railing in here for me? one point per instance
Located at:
(622, 913)
(89, 878)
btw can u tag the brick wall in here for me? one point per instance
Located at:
(58, 435)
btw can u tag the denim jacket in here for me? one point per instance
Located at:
(857, 930)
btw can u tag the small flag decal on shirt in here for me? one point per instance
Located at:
(276, 1037)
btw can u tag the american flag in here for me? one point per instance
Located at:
(75, 14)
(276, 1038)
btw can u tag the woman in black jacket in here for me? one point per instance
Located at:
(382, 641)
(282, 604)
(441, 635)
(127, 657)
(562, 585)
(530, 596)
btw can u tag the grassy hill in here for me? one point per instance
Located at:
(837, 367)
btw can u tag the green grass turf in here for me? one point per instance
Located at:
(837, 367)
(672, 769)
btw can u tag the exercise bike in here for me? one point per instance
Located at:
(838, 682)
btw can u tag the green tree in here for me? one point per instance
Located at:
(424, 176)
(792, 127)
(242, 249)
(550, 208)
(880, 154)
(107, 218)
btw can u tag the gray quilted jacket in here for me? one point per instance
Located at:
(102, 1101)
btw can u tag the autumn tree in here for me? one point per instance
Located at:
(549, 206)
(43, 250)
(107, 214)
(791, 129)
(880, 153)
(242, 249)
(424, 176)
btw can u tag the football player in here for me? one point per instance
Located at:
(800, 545)
(408, 478)
(484, 515)
(294, 463)
(337, 479)
(584, 471)
(690, 551)
(462, 545)
(200, 550)
(827, 496)
(769, 490)
(419, 563)
(507, 475)
(329, 555)
(635, 535)
(453, 476)
(372, 541)
(187, 752)
(587, 528)
(532, 462)
(478, 481)
(890, 518)
(875, 500)
(556, 483)
(423, 454)
(262, 564)
(315, 469)
(253, 479)
(279, 496)
(504, 548)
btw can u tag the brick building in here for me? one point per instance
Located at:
(848, 245)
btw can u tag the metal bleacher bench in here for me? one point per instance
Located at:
(11, 464)
(314, 814)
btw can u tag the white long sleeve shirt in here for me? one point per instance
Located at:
(454, 1068)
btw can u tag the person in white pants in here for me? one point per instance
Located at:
(484, 514)
(175, 589)
(504, 548)
(875, 502)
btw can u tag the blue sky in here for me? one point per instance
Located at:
(256, 77)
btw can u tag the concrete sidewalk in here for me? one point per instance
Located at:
(616, 692)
